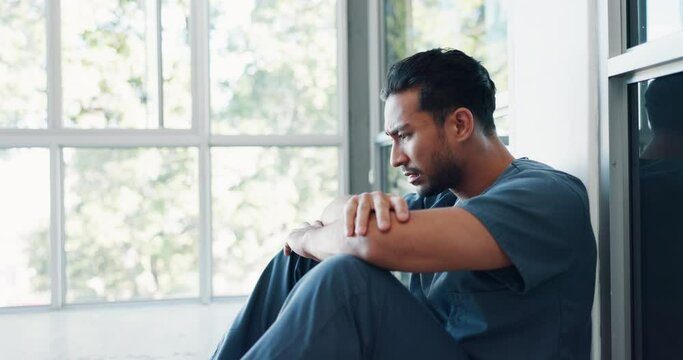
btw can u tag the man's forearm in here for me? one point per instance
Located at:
(335, 210)
(329, 240)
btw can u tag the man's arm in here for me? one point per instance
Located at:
(444, 239)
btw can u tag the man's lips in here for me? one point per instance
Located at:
(413, 177)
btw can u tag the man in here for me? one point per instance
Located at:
(501, 249)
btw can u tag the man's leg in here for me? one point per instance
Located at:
(348, 309)
(264, 303)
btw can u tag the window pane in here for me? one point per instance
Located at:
(273, 67)
(110, 64)
(175, 15)
(23, 79)
(259, 195)
(657, 195)
(477, 27)
(131, 223)
(652, 19)
(24, 234)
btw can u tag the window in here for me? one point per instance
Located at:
(656, 234)
(653, 19)
(642, 175)
(131, 229)
(162, 149)
(23, 81)
(257, 199)
(477, 27)
(24, 249)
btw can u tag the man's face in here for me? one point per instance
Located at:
(419, 145)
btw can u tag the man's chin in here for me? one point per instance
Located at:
(426, 190)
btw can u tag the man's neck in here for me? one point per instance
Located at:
(488, 161)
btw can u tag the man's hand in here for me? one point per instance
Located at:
(295, 240)
(359, 208)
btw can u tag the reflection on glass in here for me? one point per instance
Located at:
(658, 196)
(477, 27)
(131, 223)
(259, 195)
(24, 234)
(273, 67)
(653, 19)
(110, 64)
(23, 77)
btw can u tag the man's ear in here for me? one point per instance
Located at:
(460, 124)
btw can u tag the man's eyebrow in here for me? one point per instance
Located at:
(396, 130)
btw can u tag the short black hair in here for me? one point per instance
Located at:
(447, 79)
(663, 103)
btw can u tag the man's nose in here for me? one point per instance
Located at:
(398, 157)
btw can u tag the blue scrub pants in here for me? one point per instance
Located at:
(341, 308)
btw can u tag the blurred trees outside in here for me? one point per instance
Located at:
(131, 214)
(23, 81)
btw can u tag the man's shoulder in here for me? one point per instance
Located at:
(540, 178)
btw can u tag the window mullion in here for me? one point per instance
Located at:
(57, 254)
(57, 265)
(199, 35)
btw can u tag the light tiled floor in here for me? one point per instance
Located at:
(135, 331)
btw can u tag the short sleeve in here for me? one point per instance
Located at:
(414, 201)
(443, 199)
(539, 223)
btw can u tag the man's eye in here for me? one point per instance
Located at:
(402, 137)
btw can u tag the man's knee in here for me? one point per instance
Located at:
(347, 269)
(345, 264)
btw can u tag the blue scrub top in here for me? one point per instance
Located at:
(540, 307)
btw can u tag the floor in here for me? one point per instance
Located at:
(133, 331)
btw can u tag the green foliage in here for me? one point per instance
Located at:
(257, 201)
(275, 74)
(23, 82)
(131, 223)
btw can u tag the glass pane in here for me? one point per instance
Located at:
(657, 195)
(653, 19)
(23, 77)
(24, 234)
(175, 15)
(131, 223)
(274, 67)
(259, 195)
(477, 27)
(110, 66)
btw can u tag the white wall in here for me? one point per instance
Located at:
(554, 75)
(554, 83)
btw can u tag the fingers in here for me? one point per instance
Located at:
(400, 207)
(365, 207)
(358, 209)
(382, 206)
(350, 215)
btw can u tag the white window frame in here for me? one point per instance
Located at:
(55, 137)
(619, 67)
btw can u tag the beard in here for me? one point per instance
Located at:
(447, 173)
